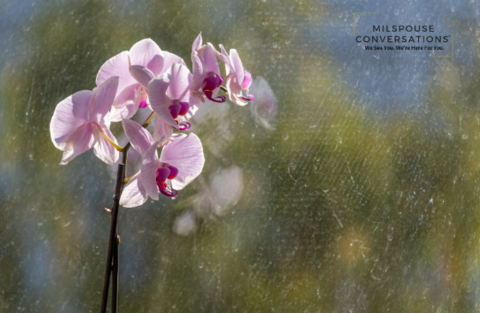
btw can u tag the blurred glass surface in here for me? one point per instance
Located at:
(351, 184)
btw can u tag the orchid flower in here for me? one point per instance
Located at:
(131, 94)
(81, 122)
(237, 78)
(180, 162)
(206, 74)
(171, 97)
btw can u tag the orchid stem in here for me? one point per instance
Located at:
(110, 140)
(113, 235)
(114, 240)
(115, 276)
(224, 89)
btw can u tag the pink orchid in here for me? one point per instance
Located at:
(180, 162)
(171, 97)
(81, 122)
(131, 94)
(237, 78)
(206, 74)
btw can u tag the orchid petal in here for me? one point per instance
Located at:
(69, 114)
(237, 67)
(180, 83)
(102, 99)
(79, 142)
(198, 73)
(138, 136)
(247, 80)
(159, 100)
(134, 162)
(125, 105)
(116, 66)
(186, 154)
(142, 74)
(223, 56)
(134, 193)
(149, 171)
(125, 112)
(147, 53)
(169, 60)
(197, 43)
(209, 59)
(233, 91)
(102, 148)
(162, 131)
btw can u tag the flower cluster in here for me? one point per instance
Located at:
(147, 78)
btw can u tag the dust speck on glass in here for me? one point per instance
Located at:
(293, 171)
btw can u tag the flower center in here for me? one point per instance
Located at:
(210, 83)
(143, 102)
(178, 108)
(163, 173)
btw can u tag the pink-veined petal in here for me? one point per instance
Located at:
(138, 136)
(209, 59)
(134, 193)
(125, 112)
(186, 154)
(69, 114)
(159, 101)
(223, 56)
(148, 54)
(170, 59)
(198, 74)
(125, 105)
(162, 131)
(116, 66)
(102, 149)
(149, 171)
(142, 74)
(179, 88)
(79, 142)
(197, 43)
(134, 162)
(102, 99)
(234, 92)
(237, 66)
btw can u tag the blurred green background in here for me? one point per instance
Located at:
(331, 202)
